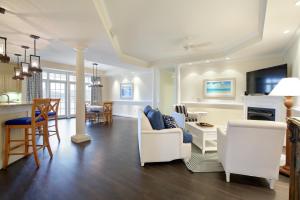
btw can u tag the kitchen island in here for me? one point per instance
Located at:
(11, 111)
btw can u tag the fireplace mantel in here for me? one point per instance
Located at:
(265, 101)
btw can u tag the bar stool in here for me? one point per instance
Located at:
(26, 123)
(53, 115)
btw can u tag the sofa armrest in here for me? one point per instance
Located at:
(163, 131)
(221, 145)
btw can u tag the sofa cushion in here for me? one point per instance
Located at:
(147, 109)
(156, 119)
(187, 137)
(169, 122)
(146, 126)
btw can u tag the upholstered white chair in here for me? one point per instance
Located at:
(252, 148)
(160, 145)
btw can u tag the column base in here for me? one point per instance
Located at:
(79, 138)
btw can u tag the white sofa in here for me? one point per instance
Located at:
(160, 145)
(252, 148)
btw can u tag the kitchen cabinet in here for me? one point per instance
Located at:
(7, 84)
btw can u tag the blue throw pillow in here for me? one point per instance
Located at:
(169, 121)
(156, 119)
(187, 136)
(147, 109)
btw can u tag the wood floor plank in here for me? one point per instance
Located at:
(108, 168)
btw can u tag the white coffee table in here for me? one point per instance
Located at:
(203, 137)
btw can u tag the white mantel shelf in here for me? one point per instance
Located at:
(217, 104)
(130, 101)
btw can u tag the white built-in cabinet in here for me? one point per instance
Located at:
(7, 84)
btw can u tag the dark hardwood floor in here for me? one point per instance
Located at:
(108, 168)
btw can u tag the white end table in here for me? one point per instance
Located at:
(203, 137)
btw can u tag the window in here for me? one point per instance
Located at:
(45, 75)
(58, 76)
(72, 78)
(72, 98)
(88, 90)
(44, 89)
(58, 84)
(58, 90)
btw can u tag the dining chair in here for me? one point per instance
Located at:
(107, 112)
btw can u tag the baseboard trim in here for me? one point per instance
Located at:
(124, 115)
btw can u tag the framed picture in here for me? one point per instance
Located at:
(219, 88)
(126, 90)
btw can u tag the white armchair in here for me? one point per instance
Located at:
(252, 148)
(160, 145)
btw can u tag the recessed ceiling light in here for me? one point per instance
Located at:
(298, 3)
(286, 31)
(190, 63)
(227, 58)
(207, 61)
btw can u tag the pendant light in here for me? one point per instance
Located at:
(96, 82)
(25, 65)
(18, 75)
(3, 51)
(35, 61)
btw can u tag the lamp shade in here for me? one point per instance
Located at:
(287, 87)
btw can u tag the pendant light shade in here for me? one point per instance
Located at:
(25, 65)
(3, 51)
(96, 80)
(18, 71)
(35, 61)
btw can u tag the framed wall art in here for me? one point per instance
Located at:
(219, 88)
(126, 90)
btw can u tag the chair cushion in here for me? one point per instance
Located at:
(169, 122)
(187, 137)
(156, 119)
(52, 113)
(147, 109)
(21, 121)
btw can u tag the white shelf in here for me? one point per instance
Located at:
(232, 104)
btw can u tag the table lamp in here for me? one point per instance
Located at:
(288, 88)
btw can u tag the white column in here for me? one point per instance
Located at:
(178, 88)
(80, 135)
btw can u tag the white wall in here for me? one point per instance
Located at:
(167, 96)
(292, 57)
(191, 86)
(142, 92)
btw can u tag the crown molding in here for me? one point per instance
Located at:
(130, 59)
(104, 17)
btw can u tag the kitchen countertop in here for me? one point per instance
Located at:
(3, 104)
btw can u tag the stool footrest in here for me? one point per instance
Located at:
(17, 146)
(17, 140)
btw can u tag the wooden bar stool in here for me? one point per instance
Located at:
(36, 121)
(107, 112)
(53, 115)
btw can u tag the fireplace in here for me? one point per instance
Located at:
(255, 113)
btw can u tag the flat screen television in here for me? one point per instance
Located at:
(264, 80)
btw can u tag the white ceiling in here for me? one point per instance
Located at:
(62, 25)
(280, 17)
(156, 30)
(135, 33)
